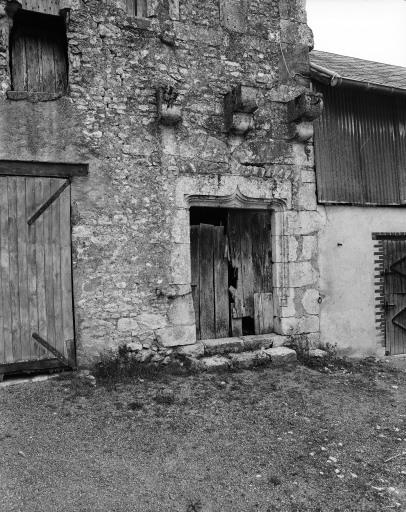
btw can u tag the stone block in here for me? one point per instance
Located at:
(258, 341)
(181, 226)
(308, 176)
(176, 336)
(181, 311)
(310, 301)
(317, 353)
(303, 222)
(214, 363)
(180, 264)
(301, 274)
(246, 360)
(134, 346)
(293, 325)
(293, 10)
(296, 33)
(309, 247)
(151, 321)
(281, 355)
(196, 350)
(223, 346)
(127, 324)
(234, 14)
(306, 197)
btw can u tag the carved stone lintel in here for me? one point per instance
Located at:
(306, 107)
(168, 113)
(237, 200)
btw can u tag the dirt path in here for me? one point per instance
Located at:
(268, 440)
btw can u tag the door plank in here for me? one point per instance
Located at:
(236, 327)
(247, 271)
(66, 269)
(40, 194)
(221, 300)
(14, 281)
(18, 62)
(207, 318)
(263, 319)
(33, 59)
(234, 245)
(23, 295)
(31, 263)
(49, 279)
(194, 256)
(56, 270)
(261, 252)
(5, 275)
(47, 64)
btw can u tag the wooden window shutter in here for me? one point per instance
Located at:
(38, 54)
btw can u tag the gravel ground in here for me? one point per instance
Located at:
(297, 439)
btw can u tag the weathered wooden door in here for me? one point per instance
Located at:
(210, 281)
(36, 309)
(232, 275)
(395, 295)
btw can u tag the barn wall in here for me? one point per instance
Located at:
(129, 216)
(347, 270)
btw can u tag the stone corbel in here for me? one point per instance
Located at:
(239, 107)
(302, 111)
(169, 114)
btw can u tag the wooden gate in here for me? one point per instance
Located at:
(232, 275)
(36, 309)
(395, 295)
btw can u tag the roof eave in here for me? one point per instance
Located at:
(333, 79)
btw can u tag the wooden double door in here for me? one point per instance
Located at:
(36, 307)
(394, 251)
(232, 274)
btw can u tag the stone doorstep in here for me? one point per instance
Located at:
(277, 356)
(221, 346)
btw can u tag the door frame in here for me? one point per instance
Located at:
(33, 169)
(277, 211)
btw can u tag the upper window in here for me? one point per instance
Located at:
(136, 7)
(38, 53)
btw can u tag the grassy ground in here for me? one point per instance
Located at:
(297, 439)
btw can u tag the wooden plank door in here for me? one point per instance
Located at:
(210, 281)
(35, 271)
(249, 238)
(395, 295)
(232, 275)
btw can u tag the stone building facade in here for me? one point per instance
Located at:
(189, 104)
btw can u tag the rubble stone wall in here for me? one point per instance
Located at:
(130, 220)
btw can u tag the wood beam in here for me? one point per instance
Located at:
(43, 169)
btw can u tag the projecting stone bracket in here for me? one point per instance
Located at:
(302, 111)
(169, 114)
(239, 107)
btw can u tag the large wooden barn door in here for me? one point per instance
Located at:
(36, 310)
(395, 295)
(232, 275)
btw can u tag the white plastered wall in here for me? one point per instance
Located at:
(346, 262)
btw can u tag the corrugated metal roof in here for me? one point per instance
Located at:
(361, 70)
